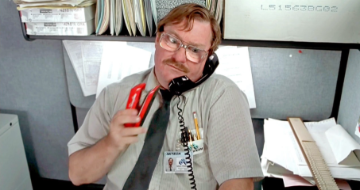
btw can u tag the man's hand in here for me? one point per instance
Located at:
(238, 184)
(120, 136)
(91, 164)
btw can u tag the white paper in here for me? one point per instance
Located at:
(343, 145)
(147, 46)
(235, 64)
(317, 131)
(276, 133)
(285, 151)
(73, 49)
(340, 140)
(32, 3)
(91, 53)
(119, 61)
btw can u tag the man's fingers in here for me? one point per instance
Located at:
(121, 120)
(132, 131)
(125, 112)
(125, 116)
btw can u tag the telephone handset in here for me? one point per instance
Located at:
(181, 84)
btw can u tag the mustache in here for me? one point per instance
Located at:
(177, 65)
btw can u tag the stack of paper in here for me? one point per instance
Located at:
(282, 155)
(24, 4)
(47, 19)
(58, 14)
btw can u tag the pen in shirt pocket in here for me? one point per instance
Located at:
(198, 137)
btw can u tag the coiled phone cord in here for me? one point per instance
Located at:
(184, 140)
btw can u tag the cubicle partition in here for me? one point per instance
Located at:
(37, 82)
(286, 83)
(349, 111)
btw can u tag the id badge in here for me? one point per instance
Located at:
(175, 162)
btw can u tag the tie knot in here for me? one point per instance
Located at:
(167, 95)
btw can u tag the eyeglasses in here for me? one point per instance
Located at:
(173, 44)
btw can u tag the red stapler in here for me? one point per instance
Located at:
(133, 102)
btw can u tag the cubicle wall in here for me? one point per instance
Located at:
(286, 83)
(38, 83)
(33, 86)
(349, 111)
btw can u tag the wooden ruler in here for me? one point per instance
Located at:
(313, 157)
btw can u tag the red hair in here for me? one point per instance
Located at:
(190, 12)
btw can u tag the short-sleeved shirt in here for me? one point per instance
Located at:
(223, 114)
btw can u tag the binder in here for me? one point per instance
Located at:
(118, 17)
(139, 11)
(149, 16)
(102, 16)
(129, 17)
(112, 17)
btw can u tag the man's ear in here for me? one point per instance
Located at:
(157, 37)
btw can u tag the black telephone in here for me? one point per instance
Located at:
(179, 85)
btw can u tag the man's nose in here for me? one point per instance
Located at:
(180, 55)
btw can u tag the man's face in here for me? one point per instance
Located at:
(170, 65)
(170, 161)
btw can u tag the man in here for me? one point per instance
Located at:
(185, 39)
(169, 166)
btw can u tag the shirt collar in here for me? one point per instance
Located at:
(151, 81)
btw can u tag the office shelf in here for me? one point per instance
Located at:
(250, 43)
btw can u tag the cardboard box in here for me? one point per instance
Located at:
(330, 21)
(60, 28)
(58, 15)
